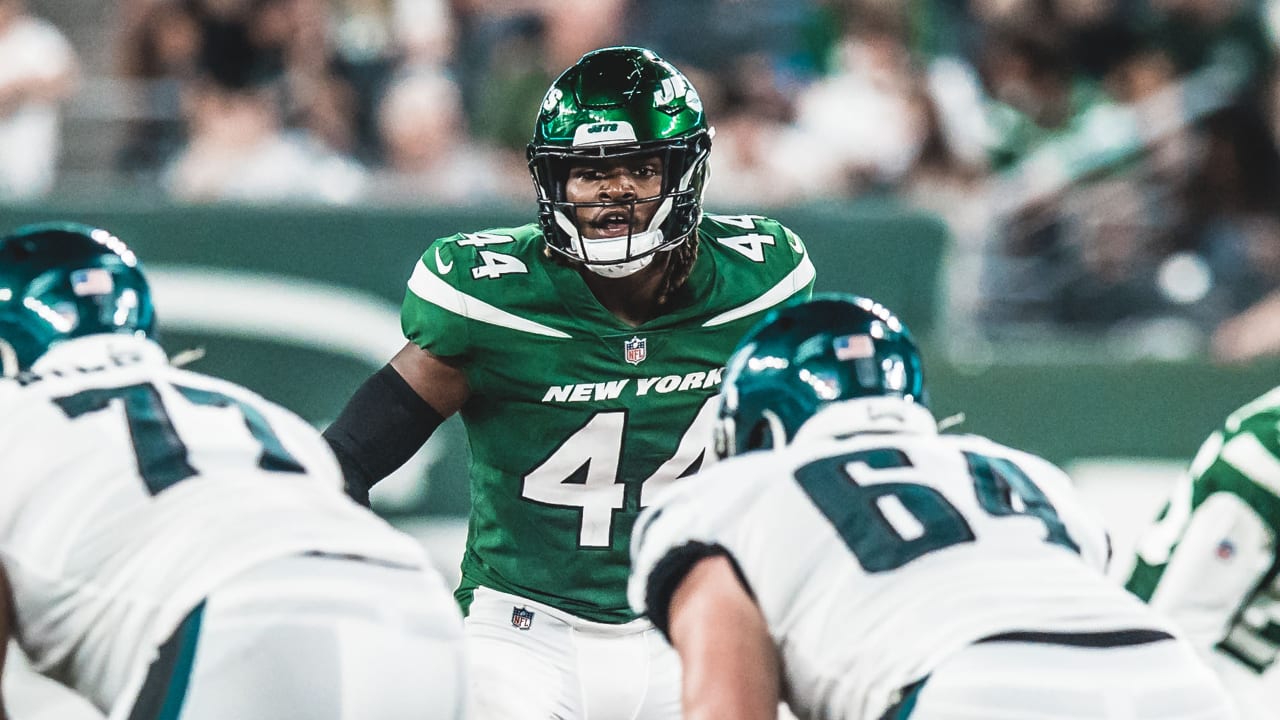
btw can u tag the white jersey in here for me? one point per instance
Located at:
(873, 558)
(1209, 560)
(129, 489)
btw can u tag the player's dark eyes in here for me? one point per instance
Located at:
(641, 171)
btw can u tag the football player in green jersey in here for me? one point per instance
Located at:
(1210, 559)
(583, 352)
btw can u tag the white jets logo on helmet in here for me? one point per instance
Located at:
(672, 88)
(604, 133)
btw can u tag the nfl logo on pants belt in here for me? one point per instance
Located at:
(521, 618)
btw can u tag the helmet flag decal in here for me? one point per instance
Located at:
(64, 280)
(853, 347)
(91, 281)
(805, 358)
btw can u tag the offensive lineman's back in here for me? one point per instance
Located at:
(131, 489)
(899, 550)
(148, 513)
(848, 558)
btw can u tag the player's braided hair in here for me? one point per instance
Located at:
(678, 269)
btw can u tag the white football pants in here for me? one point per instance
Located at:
(29, 695)
(313, 638)
(533, 662)
(1004, 680)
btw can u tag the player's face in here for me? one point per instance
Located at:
(623, 181)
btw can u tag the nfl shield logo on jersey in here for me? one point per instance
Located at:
(636, 350)
(521, 618)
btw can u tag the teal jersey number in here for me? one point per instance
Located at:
(161, 454)
(855, 510)
(997, 482)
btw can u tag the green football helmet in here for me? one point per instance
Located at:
(802, 357)
(64, 280)
(617, 103)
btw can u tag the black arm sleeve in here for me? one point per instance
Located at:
(384, 423)
(666, 576)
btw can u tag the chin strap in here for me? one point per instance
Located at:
(867, 415)
(619, 247)
(620, 270)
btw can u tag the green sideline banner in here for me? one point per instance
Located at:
(301, 304)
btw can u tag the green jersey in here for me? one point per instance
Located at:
(1210, 560)
(576, 419)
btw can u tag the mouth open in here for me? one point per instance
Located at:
(611, 223)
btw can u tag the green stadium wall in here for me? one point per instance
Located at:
(326, 284)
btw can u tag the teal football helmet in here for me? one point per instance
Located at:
(618, 103)
(64, 280)
(802, 357)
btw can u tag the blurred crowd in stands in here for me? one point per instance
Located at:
(1106, 168)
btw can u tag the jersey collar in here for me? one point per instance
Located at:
(98, 350)
(867, 415)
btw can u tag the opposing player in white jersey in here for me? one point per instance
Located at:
(849, 559)
(174, 546)
(1210, 559)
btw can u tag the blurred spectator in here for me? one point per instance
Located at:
(761, 158)
(1248, 263)
(1087, 155)
(367, 50)
(166, 44)
(947, 180)
(242, 41)
(159, 50)
(425, 31)
(863, 113)
(511, 50)
(1250, 335)
(576, 27)
(1101, 35)
(1108, 267)
(1198, 33)
(291, 43)
(378, 42)
(38, 70)
(429, 159)
(712, 35)
(1175, 134)
(239, 150)
(511, 75)
(1255, 330)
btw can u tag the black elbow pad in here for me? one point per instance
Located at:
(383, 424)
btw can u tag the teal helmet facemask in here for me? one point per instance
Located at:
(64, 280)
(803, 357)
(620, 103)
